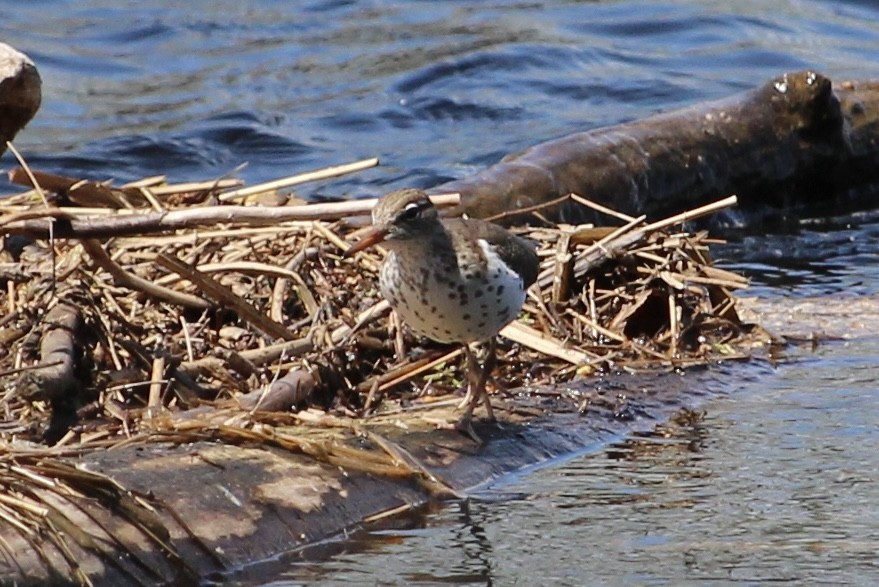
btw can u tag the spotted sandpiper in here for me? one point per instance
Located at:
(453, 279)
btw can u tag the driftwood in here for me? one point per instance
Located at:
(791, 143)
(54, 377)
(73, 223)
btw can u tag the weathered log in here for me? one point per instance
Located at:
(224, 506)
(55, 376)
(785, 144)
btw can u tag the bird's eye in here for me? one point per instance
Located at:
(410, 212)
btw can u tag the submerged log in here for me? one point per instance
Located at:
(791, 143)
(210, 507)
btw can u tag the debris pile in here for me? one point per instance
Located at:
(123, 303)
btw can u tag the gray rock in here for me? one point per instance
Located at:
(20, 92)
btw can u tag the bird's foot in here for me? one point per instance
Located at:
(464, 425)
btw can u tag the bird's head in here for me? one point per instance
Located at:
(400, 216)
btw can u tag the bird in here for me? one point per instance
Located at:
(453, 280)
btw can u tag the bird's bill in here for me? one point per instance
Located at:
(373, 237)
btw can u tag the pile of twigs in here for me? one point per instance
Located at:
(157, 312)
(123, 302)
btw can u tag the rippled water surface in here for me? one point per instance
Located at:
(777, 484)
(435, 88)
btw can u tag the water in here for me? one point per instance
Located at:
(825, 258)
(774, 485)
(437, 90)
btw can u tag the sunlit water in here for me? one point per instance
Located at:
(775, 485)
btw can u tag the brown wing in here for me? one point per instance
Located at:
(518, 253)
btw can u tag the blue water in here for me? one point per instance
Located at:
(435, 89)
(774, 486)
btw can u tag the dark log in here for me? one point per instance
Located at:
(790, 143)
(794, 143)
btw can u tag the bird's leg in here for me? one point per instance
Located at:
(487, 367)
(476, 381)
(471, 369)
(476, 392)
(471, 399)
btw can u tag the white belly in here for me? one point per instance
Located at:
(461, 304)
